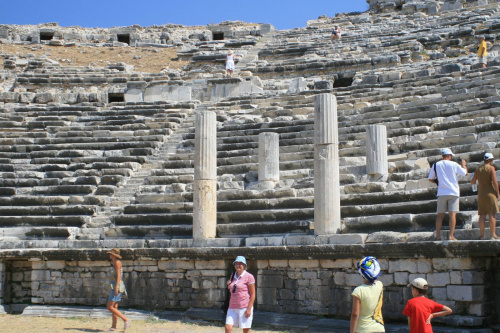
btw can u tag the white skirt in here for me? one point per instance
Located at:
(230, 65)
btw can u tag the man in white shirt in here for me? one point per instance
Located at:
(445, 174)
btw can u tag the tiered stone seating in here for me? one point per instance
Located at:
(62, 163)
(409, 72)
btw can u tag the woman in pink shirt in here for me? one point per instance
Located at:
(242, 289)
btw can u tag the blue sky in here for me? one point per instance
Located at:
(109, 13)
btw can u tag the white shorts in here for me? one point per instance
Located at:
(483, 60)
(236, 317)
(447, 203)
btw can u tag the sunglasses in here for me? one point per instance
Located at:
(234, 288)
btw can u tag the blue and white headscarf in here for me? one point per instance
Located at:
(369, 268)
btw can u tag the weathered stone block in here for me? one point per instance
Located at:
(314, 263)
(270, 281)
(424, 265)
(401, 278)
(278, 263)
(347, 239)
(465, 293)
(262, 264)
(404, 265)
(455, 277)
(353, 280)
(175, 264)
(210, 264)
(267, 296)
(339, 263)
(438, 279)
(299, 240)
(445, 264)
(264, 241)
(213, 272)
(472, 277)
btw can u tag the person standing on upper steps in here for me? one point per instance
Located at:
(487, 195)
(445, 174)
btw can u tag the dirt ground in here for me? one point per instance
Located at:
(144, 59)
(24, 324)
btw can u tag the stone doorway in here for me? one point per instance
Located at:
(46, 35)
(124, 38)
(218, 36)
(116, 97)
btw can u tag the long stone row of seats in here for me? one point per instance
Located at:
(61, 164)
(365, 45)
(245, 212)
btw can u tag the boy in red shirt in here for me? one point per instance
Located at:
(420, 310)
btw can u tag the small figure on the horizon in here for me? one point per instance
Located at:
(117, 290)
(420, 310)
(482, 52)
(336, 33)
(445, 174)
(230, 63)
(241, 287)
(367, 299)
(487, 195)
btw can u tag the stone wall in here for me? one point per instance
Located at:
(313, 286)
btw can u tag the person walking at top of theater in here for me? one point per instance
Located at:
(482, 52)
(487, 195)
(445, 174)
(117, 290)
(420, 310)
(367, 299)
(241, 287)
(230, 58)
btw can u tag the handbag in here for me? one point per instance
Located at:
(225, 305)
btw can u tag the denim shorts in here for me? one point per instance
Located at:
(113, 298)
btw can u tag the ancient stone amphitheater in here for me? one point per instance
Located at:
(93, 158)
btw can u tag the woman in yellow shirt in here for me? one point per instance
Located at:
(482, 51)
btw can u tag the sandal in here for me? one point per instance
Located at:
(111, 329)
(495, 237)
(126, 325)
(453, 238)
(481, 237)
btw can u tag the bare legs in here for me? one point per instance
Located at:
(229, 329)
(229, 73)
(493, 225)
(113, 308)
(439, 224)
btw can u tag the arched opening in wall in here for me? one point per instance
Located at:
(124, 38)
(218, 36)
(343, 82)
(46, 35)
(116, 97)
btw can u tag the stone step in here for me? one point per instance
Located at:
(16, 234)
(402, 222)
(151, 231)
(47, 210)
(264, 228)
(153, 219)
(44, 221)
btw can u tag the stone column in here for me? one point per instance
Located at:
(326, 166)
(205, 176)
(2, 287)
(269, 154)
(376, 152)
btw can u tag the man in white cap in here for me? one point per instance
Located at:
(445, 174)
